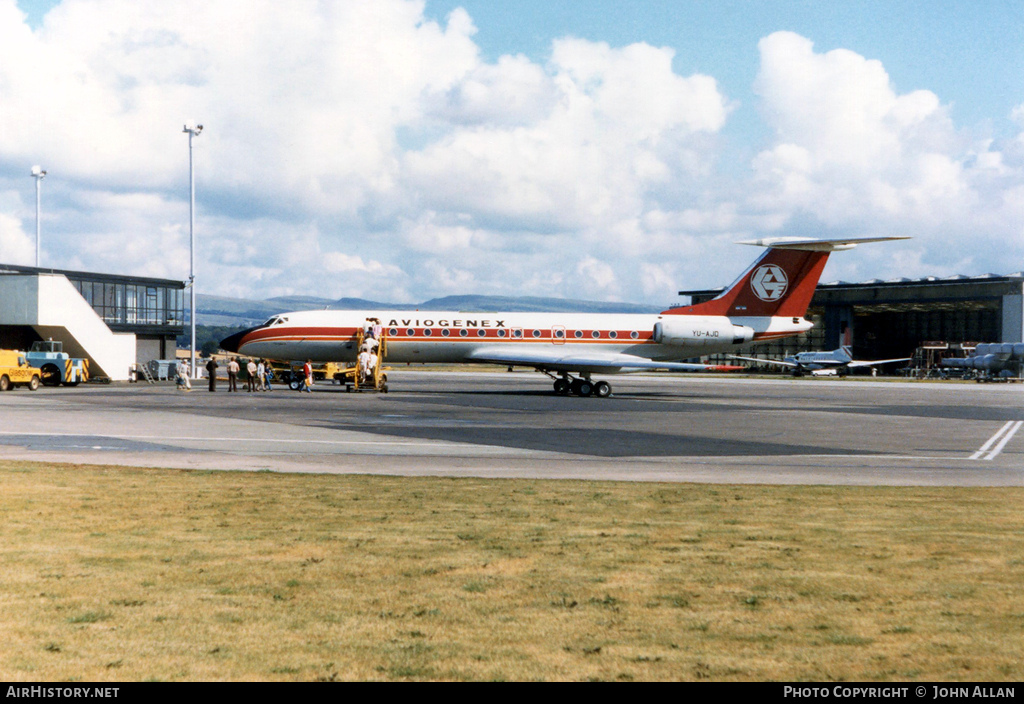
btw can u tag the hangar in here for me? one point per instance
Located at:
(114, 321)
(890, 319)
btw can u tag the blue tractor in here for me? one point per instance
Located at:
(57, 366)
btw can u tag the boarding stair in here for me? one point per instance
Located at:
(376, 379)
(146, 374)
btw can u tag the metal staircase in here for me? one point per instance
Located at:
(144, 368)
(376, 380)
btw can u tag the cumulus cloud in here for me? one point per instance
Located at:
(846, 140)
(16, 245)
(855, 155)
(602, 128)
(512, 91)
(362, 148)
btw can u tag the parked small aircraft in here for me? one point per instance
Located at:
(767, 302)
(833, 363)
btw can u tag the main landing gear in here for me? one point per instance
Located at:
(580, 386)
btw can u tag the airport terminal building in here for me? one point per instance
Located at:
(891, 319)
(114, 321)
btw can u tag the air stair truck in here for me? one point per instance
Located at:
(58, 366)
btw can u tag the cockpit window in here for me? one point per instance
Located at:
(276, 320)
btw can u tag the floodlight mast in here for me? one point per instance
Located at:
(38, 174)
(193, 131)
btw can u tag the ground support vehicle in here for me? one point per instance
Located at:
(1003, 377)
(291, 373)
(58, 367)
(16, 371)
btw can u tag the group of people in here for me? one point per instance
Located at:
(258, 374)
(366, 362)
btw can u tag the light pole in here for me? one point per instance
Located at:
(193, 131)
(38, 174)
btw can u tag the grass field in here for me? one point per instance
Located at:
(125, 574)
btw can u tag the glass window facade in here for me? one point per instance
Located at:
(126, 303)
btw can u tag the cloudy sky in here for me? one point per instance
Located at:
(401, 149)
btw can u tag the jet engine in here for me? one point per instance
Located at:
(690, 331)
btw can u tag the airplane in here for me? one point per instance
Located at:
(767, 302)
(833, 363)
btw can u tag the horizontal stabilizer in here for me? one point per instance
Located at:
(807, 244)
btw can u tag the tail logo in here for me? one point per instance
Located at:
(769, 282)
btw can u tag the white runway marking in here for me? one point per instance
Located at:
(1001, 437)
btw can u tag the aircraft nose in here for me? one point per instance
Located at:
(231, 343)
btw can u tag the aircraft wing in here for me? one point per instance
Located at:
(766, 361)
(877, 361)
(567, 361)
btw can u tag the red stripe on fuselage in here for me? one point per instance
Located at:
(343, 334)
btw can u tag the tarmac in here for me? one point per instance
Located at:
(654, 428)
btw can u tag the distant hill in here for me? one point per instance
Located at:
(294, 302)
(223, 311)
(220, 310)
(532, 304)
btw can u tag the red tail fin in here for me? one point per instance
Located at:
(781, 282)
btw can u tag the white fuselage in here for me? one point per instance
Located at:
(456, 337)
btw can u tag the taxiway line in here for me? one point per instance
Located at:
(1006, 432)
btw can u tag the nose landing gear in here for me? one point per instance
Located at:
(581, 386)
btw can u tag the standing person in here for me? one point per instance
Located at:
(211, 369)
(307, 369)
(268, 375)
(261, 373)
(233, 374)
(372, 371)
(377, 329)
(183, 375)
(363, 362)
(250, 376)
